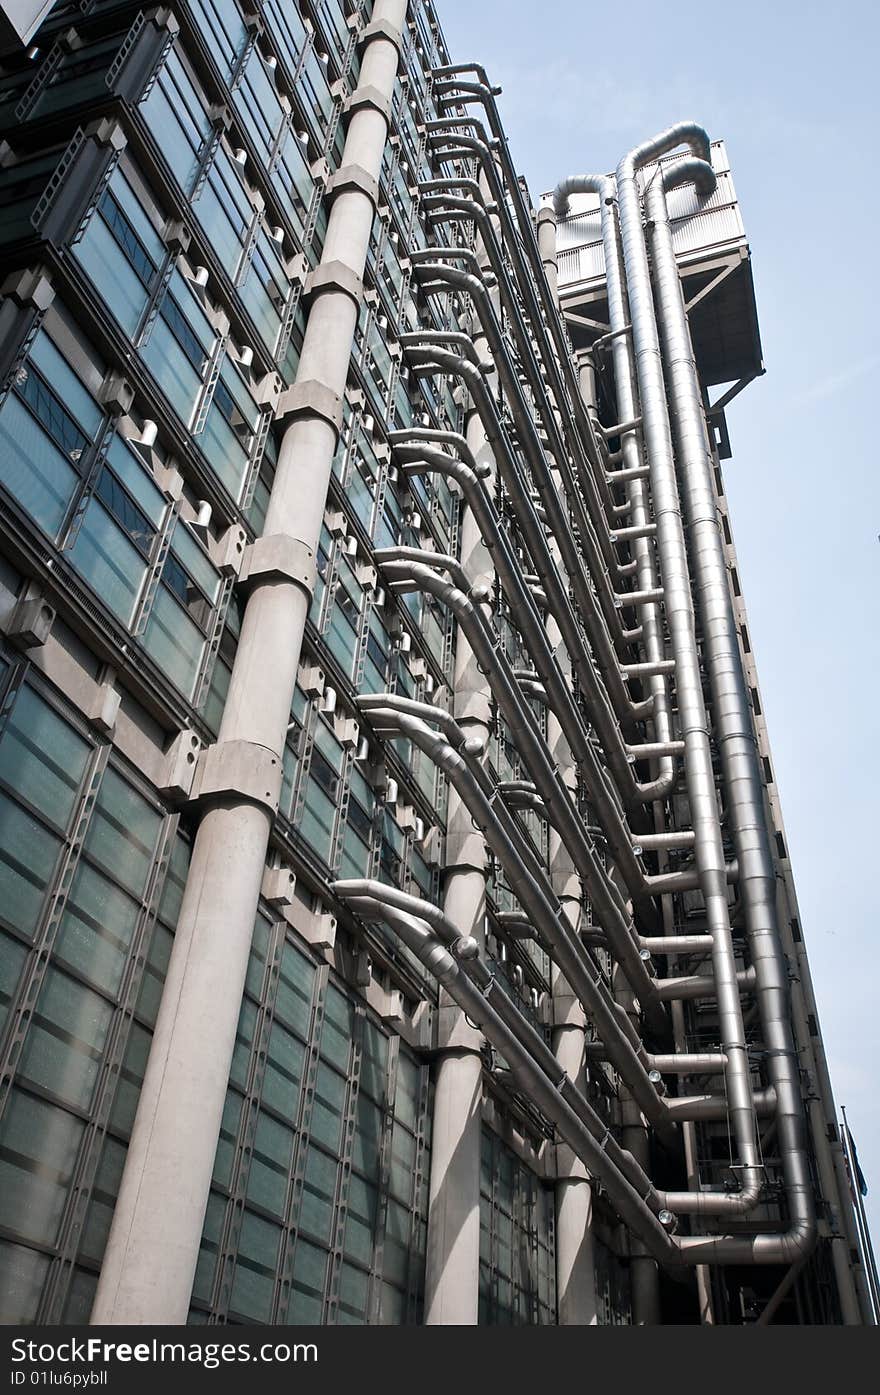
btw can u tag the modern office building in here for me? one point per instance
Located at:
(396, 921)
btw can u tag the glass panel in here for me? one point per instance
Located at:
(172, 369)
(367, 1139)
(270, 1165)
(12, 957)
(329, 1103)
(97, 927)
(338, 1028)
(134, 1064)
(110, 564)
(100, 1213)
(65, 1042)
(309, 1278)
(174, 641)
(32, 468)
(284, 1067)
(138, 482)
(43, 758)
(175, 114)
(360, 1220)
(28, 854)
(66, 385)
(294, 997)
(122, 833)
(254, 1283)
(111, 271)
(38, 1146)
(155, 969)
(319, 1190)
(207, 1262)
(24, 1273)
(226, 1141)
(221, 25)
(354, 1286)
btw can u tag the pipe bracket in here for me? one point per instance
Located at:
(353, 179)
(280, 557)
(312, 399)
(380, 29)
(336, 277)
(369, 98)
(238, 771)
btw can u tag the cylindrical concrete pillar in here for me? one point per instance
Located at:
(547, 248)
(576, 1302)
(453, 1258)
(575, 1259)
(452, 1273)
(154, 1239)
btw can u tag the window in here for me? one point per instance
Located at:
(95, 996)
(121, 252)
(357, 836)
(178, 345)
(79, 77)
(315, 1169)
(317, 819)
(294, 185)
(256, 101)
(225, 210)
(114, 542)
(47, 427)
(288, 30)
(182, 611)
(343, 623)
(517, 1260)
(223, 30)
(265, 288)
(176, 113)
(230, 427)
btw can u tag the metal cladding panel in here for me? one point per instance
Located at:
(581, 264)
(19, 20)
(698, 224)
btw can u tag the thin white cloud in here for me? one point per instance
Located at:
(833, 383)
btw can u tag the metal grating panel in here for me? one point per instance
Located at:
(698, 224)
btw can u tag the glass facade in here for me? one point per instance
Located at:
(517, 1263)
(91, 874)
(142, 389)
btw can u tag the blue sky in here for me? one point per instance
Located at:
(792, 89)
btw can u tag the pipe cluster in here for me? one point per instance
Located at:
(610, 572)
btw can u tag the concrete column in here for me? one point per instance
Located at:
(644, 1274)
(154, 1240)
(575, 1259)
(546, 224)
(453, 1253)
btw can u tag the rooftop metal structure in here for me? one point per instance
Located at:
(715, 264)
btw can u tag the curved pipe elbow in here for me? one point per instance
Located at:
(796, 1243)
(690, 170)
(715, 1203)
(689, 133)
(601, 184)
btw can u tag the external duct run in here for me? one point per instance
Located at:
(562, 481)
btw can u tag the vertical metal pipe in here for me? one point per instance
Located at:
(575, 1259)
(154, 1240)
(709, 851)
(626, 393)
(730, 699)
